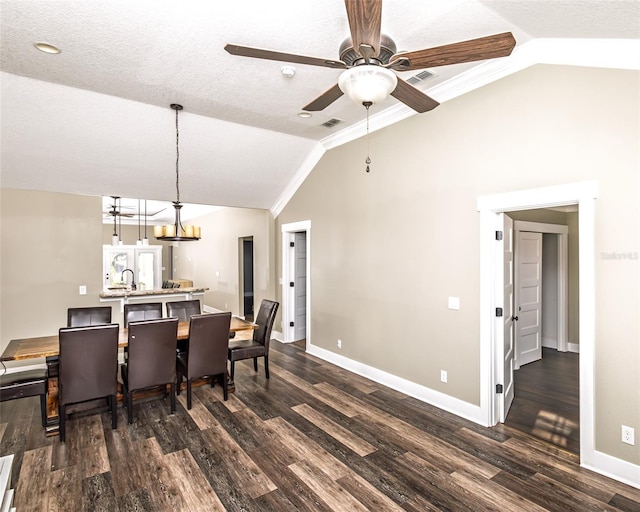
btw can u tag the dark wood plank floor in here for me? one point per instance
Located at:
(313, 437)
(547, 399)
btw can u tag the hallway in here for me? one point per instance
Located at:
(547, 399)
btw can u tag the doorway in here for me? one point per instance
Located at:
(246, 278)
(296, 289)
(546, 377)
(492, 210)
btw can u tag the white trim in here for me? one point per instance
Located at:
(584, 194)
(436, 398)
(573, 347)
(615, 468)
(301, 174)
(287, 231)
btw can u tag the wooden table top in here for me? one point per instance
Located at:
(47, 346)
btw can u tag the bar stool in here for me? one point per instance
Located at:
(24, 384)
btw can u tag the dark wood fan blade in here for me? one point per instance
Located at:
(413, 98)
(324, 100)
(365, 17)
(490, 47)
(258, 53)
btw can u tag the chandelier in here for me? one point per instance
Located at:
(176, 232)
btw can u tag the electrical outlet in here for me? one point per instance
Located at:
(443, 376)
(339, 343)
(628, 435)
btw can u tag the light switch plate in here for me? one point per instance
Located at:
(454, 302)
(82, 290)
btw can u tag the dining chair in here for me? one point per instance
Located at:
(183, 309)
(85, 317)
(206, 354)
(23, 384)
(152, 359)
(88, 368)
(142, 311)
(258, 346)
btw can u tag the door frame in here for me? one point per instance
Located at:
(489, 207)
(561, 231)
(288, 268)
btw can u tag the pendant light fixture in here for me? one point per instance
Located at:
(115, 239)
(176, 232)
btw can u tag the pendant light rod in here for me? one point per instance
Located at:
(176, 232)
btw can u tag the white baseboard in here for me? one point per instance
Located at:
(550, 343)
(441, 400)
(573, 347)
(601, 463)
(614, 468)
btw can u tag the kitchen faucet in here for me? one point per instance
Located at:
(133, 278)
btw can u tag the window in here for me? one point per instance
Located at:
(144, 260)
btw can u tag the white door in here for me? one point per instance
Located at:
(300, 286)
(506, 328)
(528, 297)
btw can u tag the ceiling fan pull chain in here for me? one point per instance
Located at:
(367, 104)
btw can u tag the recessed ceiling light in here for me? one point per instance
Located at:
(47, 48)
(304, 114)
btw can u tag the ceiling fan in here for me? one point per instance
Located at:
(369, 56)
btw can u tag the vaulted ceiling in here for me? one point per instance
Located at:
(95, 119)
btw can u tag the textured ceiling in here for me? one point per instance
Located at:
(95, 118)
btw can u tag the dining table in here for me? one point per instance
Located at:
(48, 347)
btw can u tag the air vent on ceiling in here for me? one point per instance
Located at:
(331, 123)
(420, 77)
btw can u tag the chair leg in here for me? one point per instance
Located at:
(189, 394)
(172, 387)
(61, 415)
(129, 395)
(179, 383)
(233, 368)
(266, 365)
(114, 411)
(255, 364)
(225, 386)
(43, 409)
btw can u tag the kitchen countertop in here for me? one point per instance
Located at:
(125, 292)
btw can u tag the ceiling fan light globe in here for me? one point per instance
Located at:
(367, 83)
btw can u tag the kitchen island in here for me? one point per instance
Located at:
(127, 295)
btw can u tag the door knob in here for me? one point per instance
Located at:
(515, 318)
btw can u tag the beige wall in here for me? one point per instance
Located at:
(51, 244)
(214, 261)
(389, 247)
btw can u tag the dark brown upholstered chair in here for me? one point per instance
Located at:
(183, 309)
(88, 368)
(25, 384)
(139, 312)
(152, 359)
(259, 345)
(142, 311)
(206, 354)
(85, 317)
